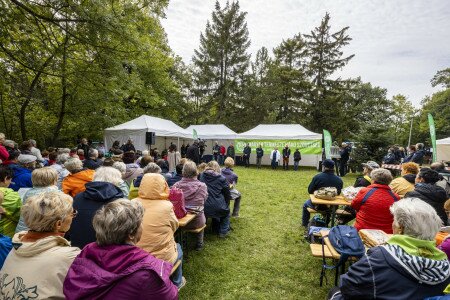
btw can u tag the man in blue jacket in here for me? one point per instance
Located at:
(22, 172)
(325, 179)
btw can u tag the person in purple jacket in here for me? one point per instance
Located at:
(232, 179)
(113, 267)
(195, 193)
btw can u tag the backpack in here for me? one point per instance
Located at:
(176, 196)
(316, 224)
(346, 241)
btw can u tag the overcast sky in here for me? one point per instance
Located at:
(398, 45)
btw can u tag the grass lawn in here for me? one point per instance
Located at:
(265, 256)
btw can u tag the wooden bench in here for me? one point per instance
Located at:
(175, 267)
(197, 230)
(316, 251)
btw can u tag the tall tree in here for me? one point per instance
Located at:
(325, 58)
(402, 112)
(221, 62)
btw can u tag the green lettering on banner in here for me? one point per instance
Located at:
(305, 146)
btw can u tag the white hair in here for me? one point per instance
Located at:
(93, 153)
(63, 151)
(62, 158)
(418, 218)
(121, 166)
(73, 164)
(145, 153)
(381, 176)
(108, 174)
(152, 168)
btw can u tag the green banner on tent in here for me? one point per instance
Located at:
(327, 143)
(305, 146)
(194, 134)
(433, 135)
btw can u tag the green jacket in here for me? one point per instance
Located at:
(12, 204)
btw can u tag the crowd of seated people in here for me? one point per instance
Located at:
(71, 200)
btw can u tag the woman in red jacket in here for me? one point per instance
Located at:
(373, 202)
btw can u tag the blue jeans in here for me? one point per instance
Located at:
(223, 224)
(306, 215)
(296, 165)
(177, 276)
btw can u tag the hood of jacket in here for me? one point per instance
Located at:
(101, 191)
(153, 187)
(97, 268)
(227, 171)
(210, 177)
(27, 249)
(420, 258)
(431, 191)
(411, 178)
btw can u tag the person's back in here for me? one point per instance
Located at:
(216, 205)
(21, 178)
(192, 153)
(159, 222)
(403, 185)
(372, 205)
(75, 183)
(87, 203)
(433, 195)
(325, 179)
(118, 272)
(37, 268)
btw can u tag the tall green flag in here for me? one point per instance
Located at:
(433, 135)
(327, 141)
(194, 134)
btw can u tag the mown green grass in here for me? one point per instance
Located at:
(265, 256)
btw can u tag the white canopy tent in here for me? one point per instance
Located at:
(443, 149)
(166, 132)
(283, 132)
(212, 133)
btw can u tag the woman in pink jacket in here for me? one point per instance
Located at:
(195, 193)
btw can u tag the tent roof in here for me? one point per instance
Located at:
(161, 127)
(445, 141)
(280, 132)
(213, 131)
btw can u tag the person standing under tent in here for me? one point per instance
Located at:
(192, 153)
(230, 151)
(216, 150)
(297, 159)
(222, 154)
(345, 156)
(275, 158)
(286, 154)
(259, 155)
(247, 152)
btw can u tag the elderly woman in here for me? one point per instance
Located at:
(113, 267)
(405, 183)
(61, 159)
(123, 185)
(37, 265)
(195, 194)
(132, 170)
(372, 203)
(232, 179)
(159, 223)
(44, 180)
(11, 203)
(101, 191)
(78, 177)
(408, 267)
(217, 205)
(427, 190)
(149, 168)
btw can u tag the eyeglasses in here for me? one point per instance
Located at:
(74, 213)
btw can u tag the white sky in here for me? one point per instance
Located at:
(398, 45)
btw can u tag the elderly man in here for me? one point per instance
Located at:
(36, 152)
(325, 179)
(128, 146)
(372, 203)
(92, 162)
(22, 172)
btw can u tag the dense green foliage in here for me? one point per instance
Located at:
(74, 68)
(265, 256)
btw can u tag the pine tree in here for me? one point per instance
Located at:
(221, 62)
(326, 57)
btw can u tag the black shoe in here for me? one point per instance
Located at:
(199, 247)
